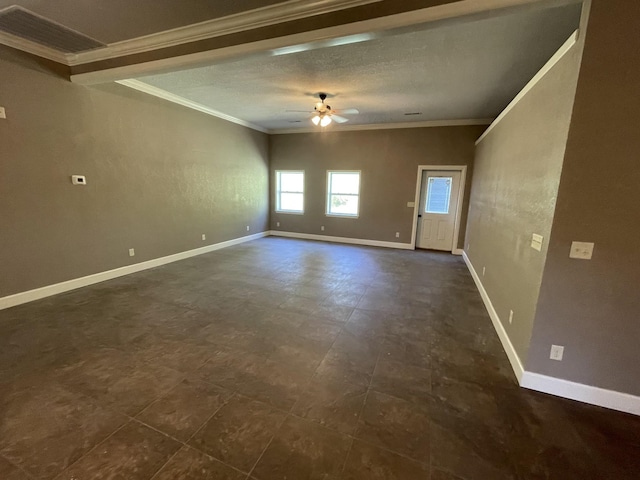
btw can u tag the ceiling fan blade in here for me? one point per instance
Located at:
(299, 111)
(348, 111)
(339, 119)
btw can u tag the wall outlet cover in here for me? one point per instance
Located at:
(204, 237)
(277, 224)
(322, 228)
(581, 250)
(247, 228)
(397, 234)
(132, 252)
(78, 179)
(557, 352)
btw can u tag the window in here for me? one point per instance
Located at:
(438, 195)
(289, 191)
(343, 193)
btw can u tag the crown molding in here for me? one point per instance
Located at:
(171, 97)
(34, 48)
(239, 22)
(386, 126)
(208, 57)
(160, 93)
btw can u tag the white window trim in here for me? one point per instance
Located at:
(328, 195)
(278, 192)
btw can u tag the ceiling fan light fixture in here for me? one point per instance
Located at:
(316, 119)
(326, 120)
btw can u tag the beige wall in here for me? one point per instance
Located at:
(159, 176)
(388, 160)
(593, 307)
(516, 177)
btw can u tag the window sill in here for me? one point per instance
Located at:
(289, 213)
(338, 215)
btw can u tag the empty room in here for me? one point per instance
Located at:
(319, 240)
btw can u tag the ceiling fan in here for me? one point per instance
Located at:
(322, 114)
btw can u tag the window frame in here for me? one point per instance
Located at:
(278, 191)
(329, 194)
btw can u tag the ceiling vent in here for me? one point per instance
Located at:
(27, 25)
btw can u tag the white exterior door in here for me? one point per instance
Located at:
(439, 194)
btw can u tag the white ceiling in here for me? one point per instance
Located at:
(468, 69)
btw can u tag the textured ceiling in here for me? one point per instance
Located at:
(469, 69)
(114, 20)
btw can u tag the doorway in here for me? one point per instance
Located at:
(438, 207)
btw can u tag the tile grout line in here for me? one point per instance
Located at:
(186, 442)
(268, 444)
(91, 450)
(298, 399)
(355, 430)
(18, 467)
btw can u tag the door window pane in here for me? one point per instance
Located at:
(438, 195)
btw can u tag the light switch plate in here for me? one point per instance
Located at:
(536, 242)
(581, 250)
(3, 114)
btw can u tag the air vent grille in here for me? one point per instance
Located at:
(29, 26)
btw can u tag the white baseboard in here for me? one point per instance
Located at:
(49, 290)
(623, 402)
(516, 364)
(352, 241)
(458, 251)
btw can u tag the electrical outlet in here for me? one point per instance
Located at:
(78, 179)
(557, 351)
(322, 228)
(204, 237)
(581, 250)
(132, 252)
(277, 224)
(510, 316)
(483, 270)
(397, 234)
(247, 228)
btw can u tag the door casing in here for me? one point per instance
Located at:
(456, 230)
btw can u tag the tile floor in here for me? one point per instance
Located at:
(286, 359)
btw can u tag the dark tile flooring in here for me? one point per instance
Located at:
(285, 359)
